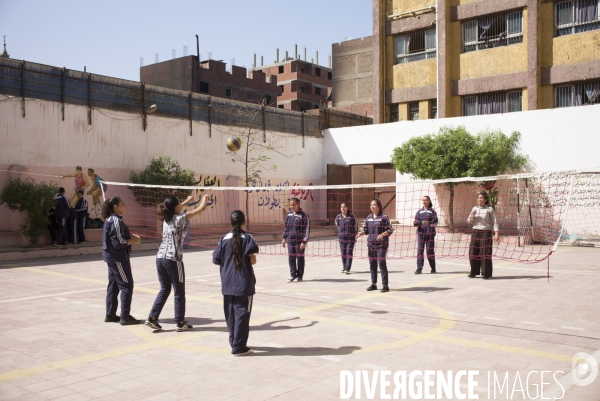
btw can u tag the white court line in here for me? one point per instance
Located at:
(458, 314)
(274, 345)
(77, 302)
(201, 280)
(96, 306)
(61, 299)
(492, 318)
(535, 323)
(330, 358)
(301, 293)
(409, 307)
(259, 288)
(571, 328)
(373, 367)
(291, 314)
(350, 300)
(379, 304)
(325, 296)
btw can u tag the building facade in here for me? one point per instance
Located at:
(303, 85)
(450, 58)
(352, 89)
(211, 78)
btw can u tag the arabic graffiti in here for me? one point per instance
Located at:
(271, 201)
(207, 182)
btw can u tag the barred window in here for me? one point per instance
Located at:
(394, 113)
(433, 108)
(413, 111)
(577, 94)
(576, 16)
(492, 103)
(414, 46)
(489, 32)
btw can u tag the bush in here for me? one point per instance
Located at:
(32, 199)
(161, 170)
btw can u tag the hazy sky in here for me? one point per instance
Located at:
(110, 37)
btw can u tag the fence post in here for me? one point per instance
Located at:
(144, 106)
(89, 99)
(264, 123)
(303, 129)
(62, 93)
(190, 113)
(209, 116)
(23, 89)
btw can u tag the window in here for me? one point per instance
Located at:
(329, 75)
(280, 106)
(249, 96)
(318, 72)
(303, 70)
(303, 109)
(228, 92)
(280, 69)
(268, 100)
(203, 87)
(316, 106)
(489, 32)
(413, 111)
(493, 103)
(281, 87)
(415, 46)
(317, 91)
(303, 89)
(394, 114)
(576, 16)
(433, 109)
(577, 94)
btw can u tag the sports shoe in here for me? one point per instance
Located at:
(385, 289)
(291, 279)
(347, 271)
(372, 287)
(153, 324)
(245, 351)
(433, 271)
(112, 319)
(56, 243)
(184, 326)
(344, 271)
(299, 279)
(129, 320)
(418, 271)
(471, 276)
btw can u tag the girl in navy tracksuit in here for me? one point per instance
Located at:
(346, 226)
(235, 254)
(425, 221)
(295, 235)
(116, 248)
(378, 228)
(169, 260)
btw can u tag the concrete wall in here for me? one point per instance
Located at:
(115, 144)
(557, 139)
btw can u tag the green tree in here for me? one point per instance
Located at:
(34, 200)
(161, 170)
(454, 153)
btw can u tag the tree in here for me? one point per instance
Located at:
(454, 153)
(161, 170)
(250, 129)
(33, 199)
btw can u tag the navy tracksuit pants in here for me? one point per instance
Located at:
(377, 257)
(61, 234)
(347, 251)
(237, 315)
(170, 273)
(295, 258)
(426, 241)
(119, 279)
(80, 227)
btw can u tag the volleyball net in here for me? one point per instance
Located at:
(535, 213)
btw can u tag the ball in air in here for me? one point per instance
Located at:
(234, 144)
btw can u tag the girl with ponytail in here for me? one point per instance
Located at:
(169, 260)
(235, 254)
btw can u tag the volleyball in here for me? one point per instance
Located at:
(234, 144)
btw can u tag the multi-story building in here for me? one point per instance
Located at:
(448, 58)
(352, 89)
(303, 85)
(210, 77)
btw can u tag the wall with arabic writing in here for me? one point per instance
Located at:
(115, 144)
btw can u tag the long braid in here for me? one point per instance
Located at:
(237, 244)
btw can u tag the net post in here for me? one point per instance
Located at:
(102, 188)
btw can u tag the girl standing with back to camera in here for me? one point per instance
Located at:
(235, 254)
(169, 260)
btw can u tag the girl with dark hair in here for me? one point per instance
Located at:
(116, 249)
(345, 223)
(235, 254)
(484, 221)
(295, 237)
(169, 260)
(425, 220)
(378, 228)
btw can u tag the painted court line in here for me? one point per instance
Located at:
(373, 367)
(535, 323)
(77, 302)
(458, 314)
(408, 307)
(330, 358)
(571, 328)
(274, 345)
(61, 299)
(325, 296)
(492, 318)
(379, 304)
(301, 293)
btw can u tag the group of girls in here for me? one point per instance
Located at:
(236, 253)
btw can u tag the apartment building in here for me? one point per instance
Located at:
(303, 85)
(449, 58)
(210, 77)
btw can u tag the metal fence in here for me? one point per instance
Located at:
(31, 80)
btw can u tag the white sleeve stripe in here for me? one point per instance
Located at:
(118, 230)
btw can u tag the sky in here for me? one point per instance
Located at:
(109, 37)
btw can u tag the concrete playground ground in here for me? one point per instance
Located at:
(54, 343)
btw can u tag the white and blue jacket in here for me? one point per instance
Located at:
(297, 226)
